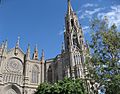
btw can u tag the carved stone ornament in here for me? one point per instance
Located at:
(11, 91)
(14, 65)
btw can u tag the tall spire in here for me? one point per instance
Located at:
(69, 8)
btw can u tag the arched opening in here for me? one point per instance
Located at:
(75, 39)
(11, 89)
(50, 74)
(72, 22)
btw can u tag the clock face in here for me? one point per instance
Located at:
(14, 65)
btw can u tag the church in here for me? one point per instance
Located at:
(21, 74)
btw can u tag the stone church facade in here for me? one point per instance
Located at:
(21, 74)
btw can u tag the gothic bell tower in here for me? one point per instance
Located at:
(74, 42)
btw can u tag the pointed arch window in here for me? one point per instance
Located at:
(72, 22)
(50, 74)
(35, 72)
(75, 41)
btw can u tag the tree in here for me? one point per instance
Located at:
(105, 55)
(67, 86)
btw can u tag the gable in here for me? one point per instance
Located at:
(18, 53)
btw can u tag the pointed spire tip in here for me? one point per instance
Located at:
(18, 42)
(36, 48)
(69, 7)
(28, 49)
(42, 52)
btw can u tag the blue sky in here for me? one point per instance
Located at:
(41, 22)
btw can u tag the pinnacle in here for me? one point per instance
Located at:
(69, 7)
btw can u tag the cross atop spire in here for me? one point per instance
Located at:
(69, 8)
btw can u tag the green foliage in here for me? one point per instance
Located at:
(105, 52)
(67, 86)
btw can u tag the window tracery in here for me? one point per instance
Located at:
(35, 72)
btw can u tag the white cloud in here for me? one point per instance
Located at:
(89, 5)
(61, 32)
(113, 15)
(85, 29)
(93, 11)
(90, 13)
(80, 11)
(116, 8)
(82, 16)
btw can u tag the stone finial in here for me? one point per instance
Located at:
(6, 44)
(28, 49)
(42, 57)
(17, 46)
(35, 54)
(2, 48)
(18, 42)
(42, 53)
(2, 45)
(28, 52)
